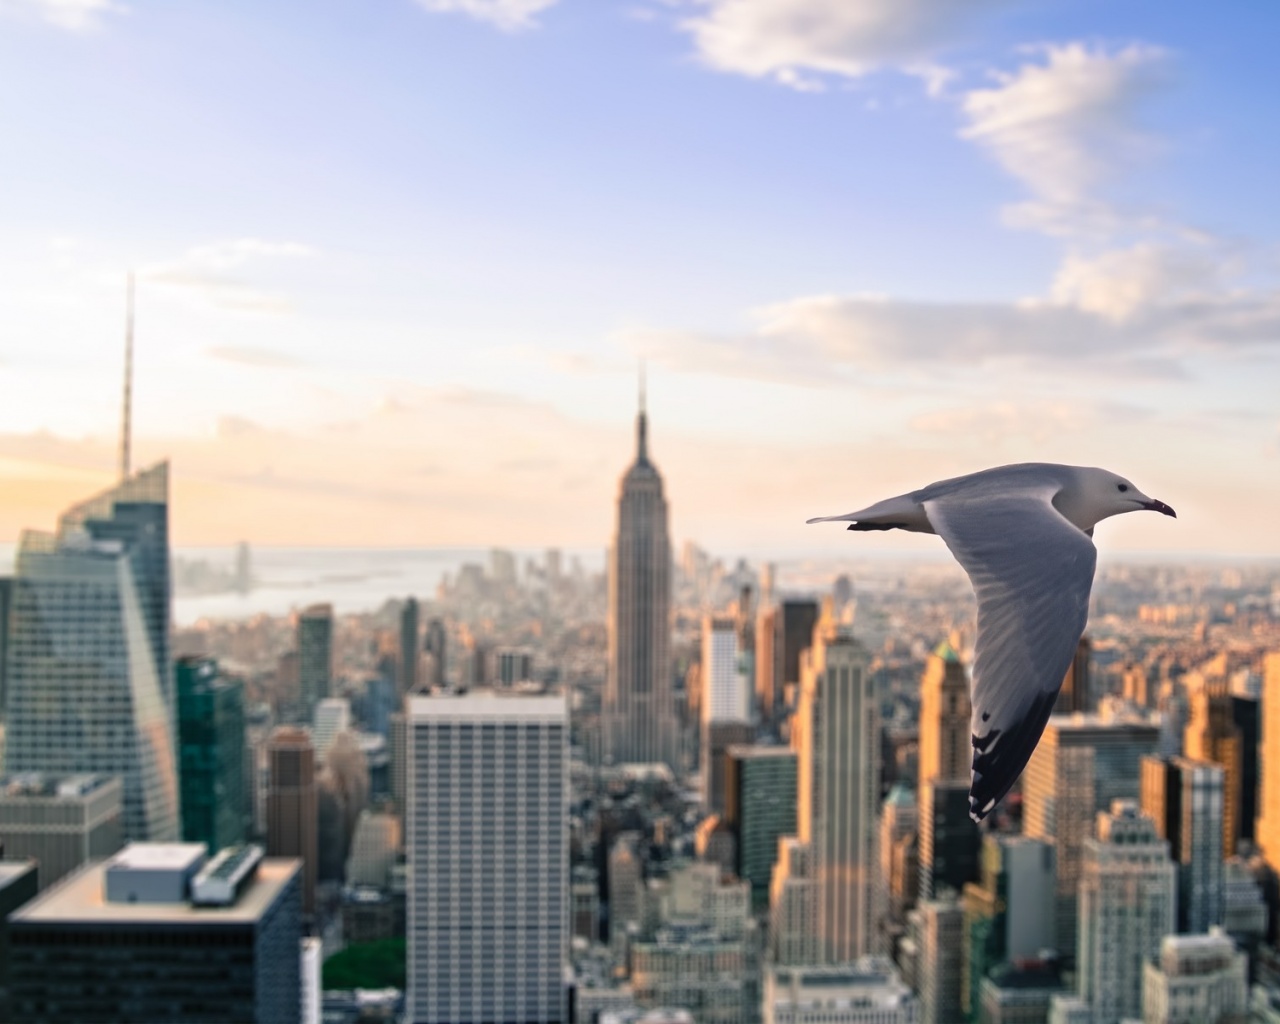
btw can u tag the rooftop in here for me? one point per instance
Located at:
(50, 786)
(485, 703)
(12, 870)
(157, 856)
(80, 898)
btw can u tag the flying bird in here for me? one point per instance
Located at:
(1023, 534)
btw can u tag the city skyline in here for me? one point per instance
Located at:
(903, 245)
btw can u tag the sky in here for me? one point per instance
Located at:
(398, 261)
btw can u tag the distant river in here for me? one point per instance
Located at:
(351, 579)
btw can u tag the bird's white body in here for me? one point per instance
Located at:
(1022, 533)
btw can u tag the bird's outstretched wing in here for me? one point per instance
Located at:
(1032, 571)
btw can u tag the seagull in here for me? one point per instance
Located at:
(1023, 534)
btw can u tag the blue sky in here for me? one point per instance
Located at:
(397, 260)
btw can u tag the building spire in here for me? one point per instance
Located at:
(642, 423)
(126, 422)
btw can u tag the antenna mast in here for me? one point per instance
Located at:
(126, 424)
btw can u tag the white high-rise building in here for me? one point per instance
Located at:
(725, 693)
(1128, 904)
(837, 740)
(332, 716)
(1199, 979)
(488, 861)
(726, 705)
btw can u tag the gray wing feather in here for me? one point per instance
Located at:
(1032, 571)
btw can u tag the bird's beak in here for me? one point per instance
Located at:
(1161, 507)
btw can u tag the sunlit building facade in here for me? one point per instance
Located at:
(88, 652)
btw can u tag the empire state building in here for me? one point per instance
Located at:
(639, 722)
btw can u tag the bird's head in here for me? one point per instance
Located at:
(1100, 494)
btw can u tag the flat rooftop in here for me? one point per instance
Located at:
(11, 870)
(80, 898)
(157, 856)
(479, 704)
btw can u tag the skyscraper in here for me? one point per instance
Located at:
(408, 645)
(837, 741)
(1184, 798)
(1212, 735)
(949, 838)
(293, 807)
(945, 746)
(435, 645)
(1269, 804)
(760, 808)
(1082, 763)
(768, 685)
(639, 719)
(1128, 891)
(1076, 693)
(315, 655)
(795, 634)
(487, 841)
(941, 960)
(211, 754)
(726, 702)
(88, 651)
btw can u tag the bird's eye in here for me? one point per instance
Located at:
(1122, 487)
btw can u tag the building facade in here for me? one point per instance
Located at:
(1082, 763)
(88, 668)
(62, 821)
(315, 656)
(836, 735)
(123, 941)
(1198, 979)
(488, 859)
(293, 811)
(211, 754)
(760, 808)
(1184, 798)
(1128, 904)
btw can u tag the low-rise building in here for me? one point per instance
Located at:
(869, 991)
(1198, 979)
(60, 821)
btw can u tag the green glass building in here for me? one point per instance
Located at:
(760, 807)
(211, 754)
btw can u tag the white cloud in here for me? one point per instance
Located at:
(206, 270)
(1122, 284)
(791, 41)
(1065, 124)
(73, 15)
(506, 14)
(1134, 312)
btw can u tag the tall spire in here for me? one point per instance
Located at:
(642, 423)
(126, 422)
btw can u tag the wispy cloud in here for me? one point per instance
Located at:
(1064, 124)
(213, 272)
(509, 15)
(72, 15)
(1134, 312)
(799, 42)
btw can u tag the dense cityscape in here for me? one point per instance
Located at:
(680, 791)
